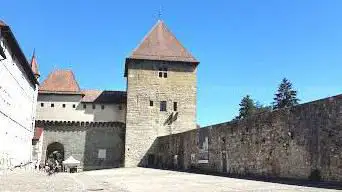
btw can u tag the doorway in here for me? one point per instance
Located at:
(224, 162)
(55, 152)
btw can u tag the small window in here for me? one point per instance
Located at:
(151, 103)
(74, 106)
(175, 106)
(102, 107)
(163, 106)
(94, 106)
(52, 105)
(84, 106)
(120, 107)
(162, 72)
(41, 104)
(63, 105)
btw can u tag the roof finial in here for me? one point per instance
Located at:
(160, 12)
(34, 52)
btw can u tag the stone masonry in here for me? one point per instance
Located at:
(303, 142)
(82, 141)
(144, 123)
(158, 70)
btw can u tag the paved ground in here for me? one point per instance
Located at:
(21, 180)
(136, 179)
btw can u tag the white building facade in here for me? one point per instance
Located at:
(18, 99)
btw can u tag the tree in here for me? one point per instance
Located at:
(247, 107)
(285, 95)
(262, 108)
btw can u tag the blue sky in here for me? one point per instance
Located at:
(244, 46)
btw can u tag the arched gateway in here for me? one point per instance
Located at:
(55, 150)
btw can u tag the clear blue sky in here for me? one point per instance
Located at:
(244, 46)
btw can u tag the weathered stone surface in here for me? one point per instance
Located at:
(83, 143)
(289, 143)
(144, 123)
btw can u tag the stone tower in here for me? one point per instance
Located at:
(161, 93)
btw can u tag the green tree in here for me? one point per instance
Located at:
(262, 108)
(247, 107)
(285, 95)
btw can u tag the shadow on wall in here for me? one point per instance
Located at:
(113, 102)
(299, 145)
(172, 152)
(104, 147)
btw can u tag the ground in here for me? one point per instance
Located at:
(135, 179)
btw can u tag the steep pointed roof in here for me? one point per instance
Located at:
(60, 81)
(161, 44)
(34, 65)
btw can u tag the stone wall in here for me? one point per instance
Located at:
(144, 122)
(303, 142)
(83, 142)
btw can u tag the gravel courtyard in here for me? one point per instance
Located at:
(136, 179)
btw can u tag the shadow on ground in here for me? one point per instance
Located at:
(287, 181)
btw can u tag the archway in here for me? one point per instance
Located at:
(55, 151)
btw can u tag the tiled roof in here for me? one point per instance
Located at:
(97, 96)
(161, 44)
(37, 133)
(62, 81)
(34, 64)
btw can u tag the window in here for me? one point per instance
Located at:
(102, 107)
(94, 106)
(73, 106)
(41, 104)
(63, 105)
(162, 72)
(84, 106)
(120, 107)
(101, 154)
(175, 106)
(52, 105)
(163, 106)
(151, 103)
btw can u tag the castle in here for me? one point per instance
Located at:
(105, 129)
(153, 122)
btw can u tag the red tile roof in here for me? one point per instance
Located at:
(161, 44)
(37, 133)
(34, 65)
(60, 81)
(97, 96)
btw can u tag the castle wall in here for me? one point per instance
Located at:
(83, 142)
(144, 122)
(287, 143)
(111, 112)
(18, 96)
